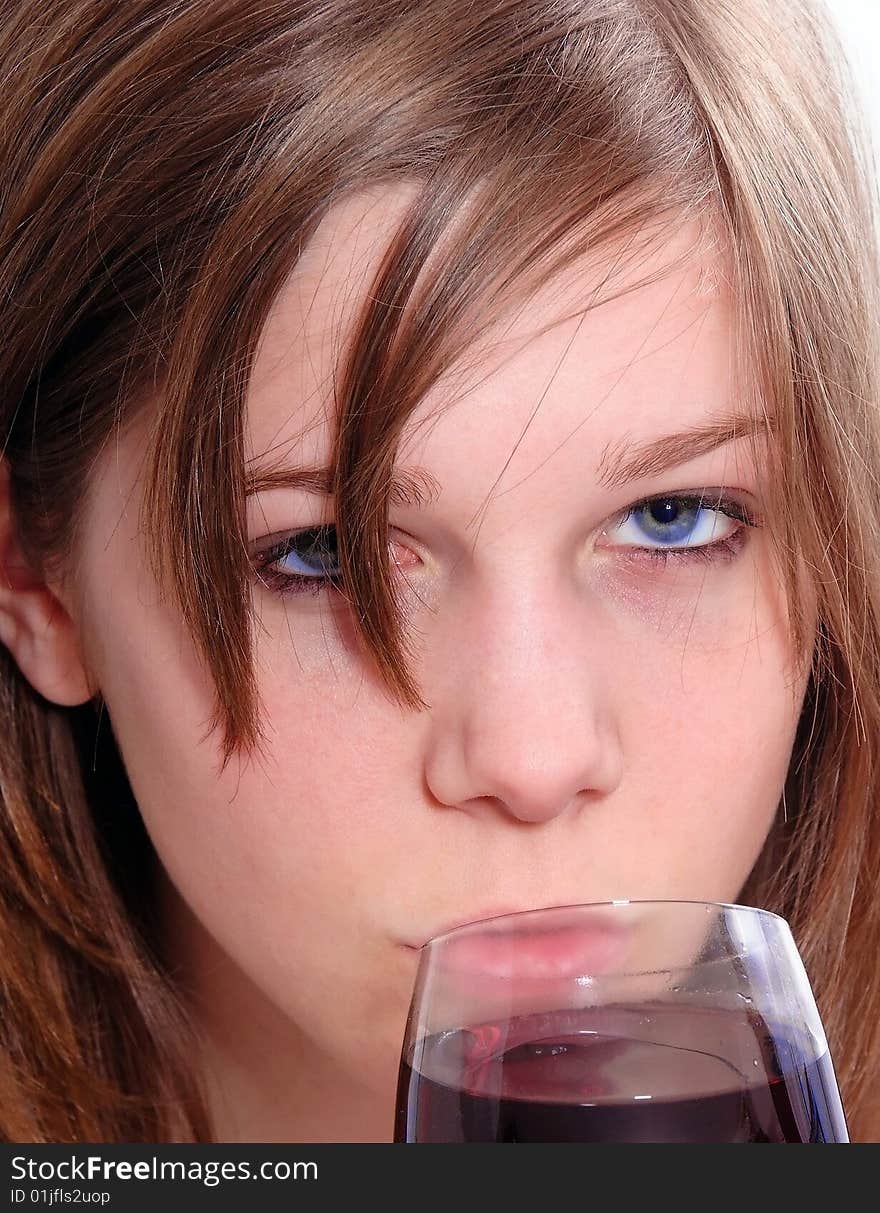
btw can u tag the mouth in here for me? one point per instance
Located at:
(539, 947)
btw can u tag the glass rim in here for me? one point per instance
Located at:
(615, 903)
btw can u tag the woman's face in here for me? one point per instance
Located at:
(603, 722)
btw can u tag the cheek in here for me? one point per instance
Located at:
(271, 843)
(708, 715)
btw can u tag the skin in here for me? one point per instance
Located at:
(600, 726)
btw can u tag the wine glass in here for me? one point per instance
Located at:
(625, 1021)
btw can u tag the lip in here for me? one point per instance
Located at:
(567, 952)
(539, 951)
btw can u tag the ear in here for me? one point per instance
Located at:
(35, 626)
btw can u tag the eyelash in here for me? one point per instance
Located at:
(720, 551)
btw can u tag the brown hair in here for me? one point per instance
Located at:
(162, 164)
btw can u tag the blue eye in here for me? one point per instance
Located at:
(684, 527)
(291, 565)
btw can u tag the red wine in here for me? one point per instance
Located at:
(651, 1073)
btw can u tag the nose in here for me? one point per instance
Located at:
(522, 717)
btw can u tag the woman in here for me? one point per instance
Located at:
(292, 678)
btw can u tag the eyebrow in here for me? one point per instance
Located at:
(619, 463)
(623, 462)
(413, 486)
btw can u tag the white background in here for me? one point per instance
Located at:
(859, 25)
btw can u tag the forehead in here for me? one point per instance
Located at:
(616, 357)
